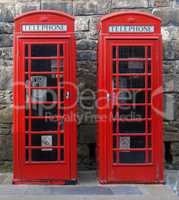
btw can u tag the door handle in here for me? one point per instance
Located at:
(67, 95)
(108, 97)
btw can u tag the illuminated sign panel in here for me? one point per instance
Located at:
(131, 29)
(43, 27)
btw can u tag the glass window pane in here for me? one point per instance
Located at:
(132, 157)
(132, 127)
(131, 67)
(41, 95)
(43, 65)
(42, 124)
(114, 157)
(149, 52)
(42, 155)
(131, 97)
(26, 65)
(114, 141)
(62, 154)
(43, 110)
(61, 49)
(114, 67)
(61, 66)
(61, 139)
(132, 52)
(43, 50)
(132, 82)
(133, 112)
(26, 51)
(149, 66)
(114, 52)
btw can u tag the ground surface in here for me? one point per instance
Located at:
(89, 188)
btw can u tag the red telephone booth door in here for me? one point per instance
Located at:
(44, 139)
(134, 77)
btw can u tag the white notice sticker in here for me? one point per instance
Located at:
(124, 142)
(46, 141)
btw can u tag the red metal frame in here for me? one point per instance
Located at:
(109, 170)
(46, 172)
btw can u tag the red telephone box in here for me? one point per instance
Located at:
(130, 141)
(45, 145)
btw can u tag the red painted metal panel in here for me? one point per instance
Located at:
(130, 148)
(45, 147)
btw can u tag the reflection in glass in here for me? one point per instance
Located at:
(131, 67)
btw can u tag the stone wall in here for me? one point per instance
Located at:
(87, 14)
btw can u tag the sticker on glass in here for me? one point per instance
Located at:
(46, 141)
(124, 142)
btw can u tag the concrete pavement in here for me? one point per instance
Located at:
(89, 189)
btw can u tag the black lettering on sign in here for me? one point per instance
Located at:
(132, 29)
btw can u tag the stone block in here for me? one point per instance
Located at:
(129, 3)
(86, 67)
(171, 136)
(6, 113)
(169, 84)
(60, 5)
(159, 3)
(86, 55)
(82, 23)
(91, 7)
(93, 35)
(80, 35)
(6, 53)
(176, 49)
(26, 6)
(6, 96)
(169, 106)
(176, 83)
(169, 32)
(6, 40)
(7, 11)
(6, 147)
(166, 15)
(177, 66)
(6, 78)
(94, 20)
(169, 67)
(175, 148)
(6, 28)
(168, 50)
(6, 63)
(6, 166)
(5, 128)
(176, 16)
(177, 107)
(86, 45)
